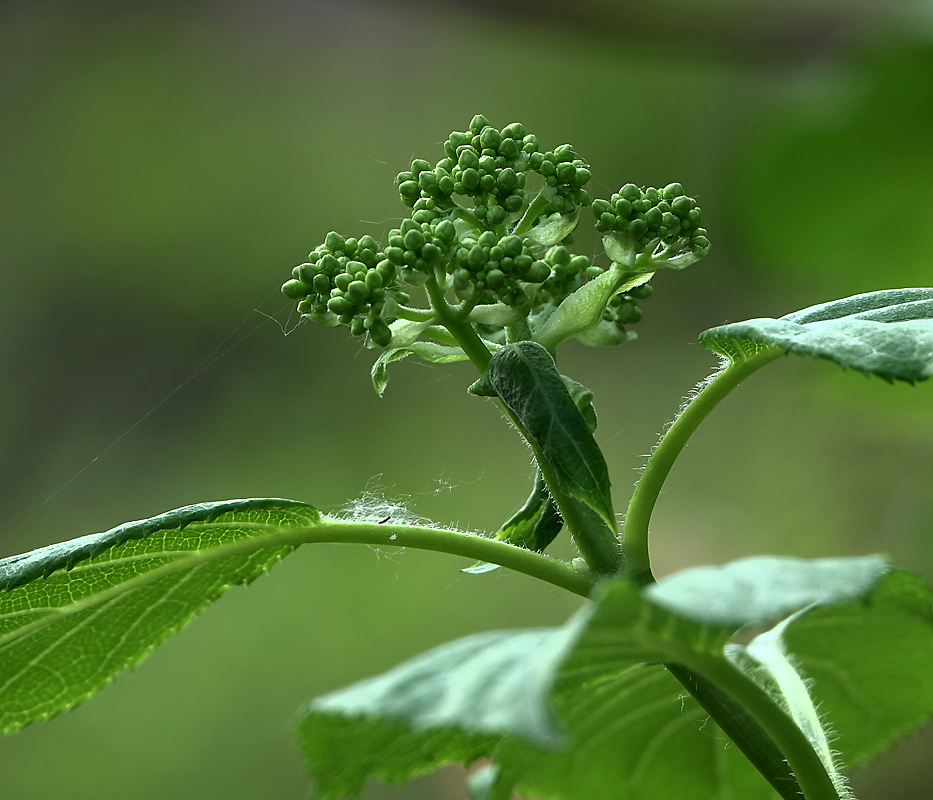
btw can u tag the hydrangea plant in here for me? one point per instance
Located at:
(807, 666)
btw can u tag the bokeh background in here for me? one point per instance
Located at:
(164, 165)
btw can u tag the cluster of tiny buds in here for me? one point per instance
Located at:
(488, 165)
(347, 281)
(496, 248)
(650, 214)
(490, 268)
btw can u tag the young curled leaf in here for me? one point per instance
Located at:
(523, 375)
(534, 526)
(431, 352)
(554, 229)
(585, 308)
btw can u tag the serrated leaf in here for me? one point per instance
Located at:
(73, 615)
(583, 309)
(431, 352)
(887, 333)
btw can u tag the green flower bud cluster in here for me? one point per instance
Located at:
(492, 251)
(347, 281)
(565, 173)
(495, 267)
(483, 163)
(489, 166)
(653, 218)
(416, 248)
(568, 273)
(623, 308)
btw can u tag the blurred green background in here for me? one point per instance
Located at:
(164, 165)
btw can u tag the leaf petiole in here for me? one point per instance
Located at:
(638, 514)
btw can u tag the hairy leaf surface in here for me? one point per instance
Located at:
(887, 333)
(73, 615)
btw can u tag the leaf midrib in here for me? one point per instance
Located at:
(279, 537)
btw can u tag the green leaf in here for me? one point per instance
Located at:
(75, 614)
(450, 704)
(523, 375)
(584, 308)
(480, 783)
(498, 314)
(496, 694)
(431, 352)
(553, 229)
(854, 677)
(887, 333)
(534, 526)
(761, 589)
(868, 665)
(536, 523)
(583, 397)
(593, 689)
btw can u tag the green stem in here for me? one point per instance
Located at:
(744, 731)
(469, 217)
(518, 331)
(440, 540)
(638, 515)
(414, 314)
(803, 761)
(541, 201)
(461, 330)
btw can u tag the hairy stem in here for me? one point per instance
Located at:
(802, 759)
(744, 731)
(461, 330)
(638, 515)
(414, 314)
(469, 545)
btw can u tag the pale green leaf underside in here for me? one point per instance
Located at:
(761, 589)
(620, 711)
(887, 333)
(73, 615)
(449, 704)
